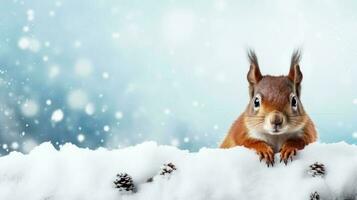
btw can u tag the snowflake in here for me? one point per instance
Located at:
(106, 128)
(57, 115)
(81, 138)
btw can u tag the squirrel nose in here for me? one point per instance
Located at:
(277, 120)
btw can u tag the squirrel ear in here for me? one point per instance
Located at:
(295, 74)
(254, 75)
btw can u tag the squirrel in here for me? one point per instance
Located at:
(274, 120)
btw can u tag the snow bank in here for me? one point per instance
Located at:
(75, 174)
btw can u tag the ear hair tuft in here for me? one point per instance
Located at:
(295, 58)
(252, 57)
(295, 74)
(254, 75)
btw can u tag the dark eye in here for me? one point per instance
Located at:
(294, 103)
(256, 103)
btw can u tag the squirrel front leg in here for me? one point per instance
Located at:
(263, 149)
(290, 148)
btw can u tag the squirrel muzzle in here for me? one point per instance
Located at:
(275, 123)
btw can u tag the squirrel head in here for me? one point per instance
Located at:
(275, 107)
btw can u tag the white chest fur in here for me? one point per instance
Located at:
(276, 141)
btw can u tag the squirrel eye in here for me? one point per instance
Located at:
(294, 103)
(256, 103)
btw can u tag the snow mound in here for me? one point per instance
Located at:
(73, 173)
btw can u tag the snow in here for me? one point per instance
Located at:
(25, 29)
(115, 35)
(53, 71)
(14, 145)
(48, 102)
(31, 44)
(106, 128)
(83, 67)
(105, 75)
(29, 108)
(45, 58)
(24, 43)
(30, 15)
(81, 137)
(57, 115)
(119, 115)
(77, 99)
(75, 173)
(90, 109)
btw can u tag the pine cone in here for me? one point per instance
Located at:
(167, 169)
(317, 169)
(124, 182)
(315, 196)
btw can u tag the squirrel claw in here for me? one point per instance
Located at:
(261, 156)
(287, 153)
(270, 163)
(267, 155)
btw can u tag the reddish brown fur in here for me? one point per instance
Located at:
(275, 91)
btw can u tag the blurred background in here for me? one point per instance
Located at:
(119, 72)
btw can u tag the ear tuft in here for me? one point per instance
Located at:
(254, 75)
(252, 57)
(295, 74)
(296, 57)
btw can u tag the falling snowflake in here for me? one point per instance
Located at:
(29, 108)
(25, 29)
(105, 75)
(115, 35)
(83, 67)
(45, 58)
(54, 71)
(52, 13)
(167, 111)
(106, 128)
(30, 15)
(24, 43)
(14, 145)
(81, 138)
(77, 99)
(118, 115)
(77, 44)
(57, 115)
(48, 102)
(89, 109)
(4, 146)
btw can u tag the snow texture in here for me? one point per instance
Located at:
(73, 173)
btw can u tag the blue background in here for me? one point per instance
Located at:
(124, 72)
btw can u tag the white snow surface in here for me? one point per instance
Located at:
(73, 173)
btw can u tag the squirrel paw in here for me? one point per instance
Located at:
(287, 153)
(266, 154)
